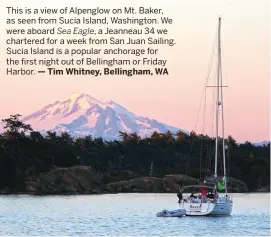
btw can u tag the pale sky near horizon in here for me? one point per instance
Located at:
(174, 99)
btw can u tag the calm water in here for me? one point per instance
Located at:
(126, 214)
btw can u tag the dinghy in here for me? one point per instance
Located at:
(174, 213)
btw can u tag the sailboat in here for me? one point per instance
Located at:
(211, 198)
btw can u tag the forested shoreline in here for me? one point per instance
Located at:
(25, 154)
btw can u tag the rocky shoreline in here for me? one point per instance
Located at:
(85, 180)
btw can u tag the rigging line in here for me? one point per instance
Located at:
(222, 112)
(207, 78)
(213, 113)
(209, 157)
(221, 163)
(200, 159)
(211, 152)
(208, 160)
(228, 99)
(210, 125)
(204, 90)
(203, 130)
(228, 159)
(222, 116)
(210, 117)
(204, 109)
(203, 125)
(205, 99)
(210, 122)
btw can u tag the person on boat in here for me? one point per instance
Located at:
(180, 196)
(192, 194)
(210, 195)
(220, 186)
(204, 192)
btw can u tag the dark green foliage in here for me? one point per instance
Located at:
(25, 153)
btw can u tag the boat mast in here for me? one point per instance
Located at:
(222, 114)
(217, 98)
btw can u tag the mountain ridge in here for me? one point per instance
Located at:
(82, 114)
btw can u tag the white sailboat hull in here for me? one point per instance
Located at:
(198, 209)
(222, 209)
(208, 209)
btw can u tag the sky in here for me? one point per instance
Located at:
(174, 99)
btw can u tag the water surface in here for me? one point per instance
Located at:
(126, 215)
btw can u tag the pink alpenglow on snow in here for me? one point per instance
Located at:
(82, 115)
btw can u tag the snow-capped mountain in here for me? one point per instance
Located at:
(82, 115)
(261, 143)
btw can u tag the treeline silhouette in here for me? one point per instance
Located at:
(25, 153)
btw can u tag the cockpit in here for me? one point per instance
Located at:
(197, 194)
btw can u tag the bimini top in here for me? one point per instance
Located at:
(197, 186)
